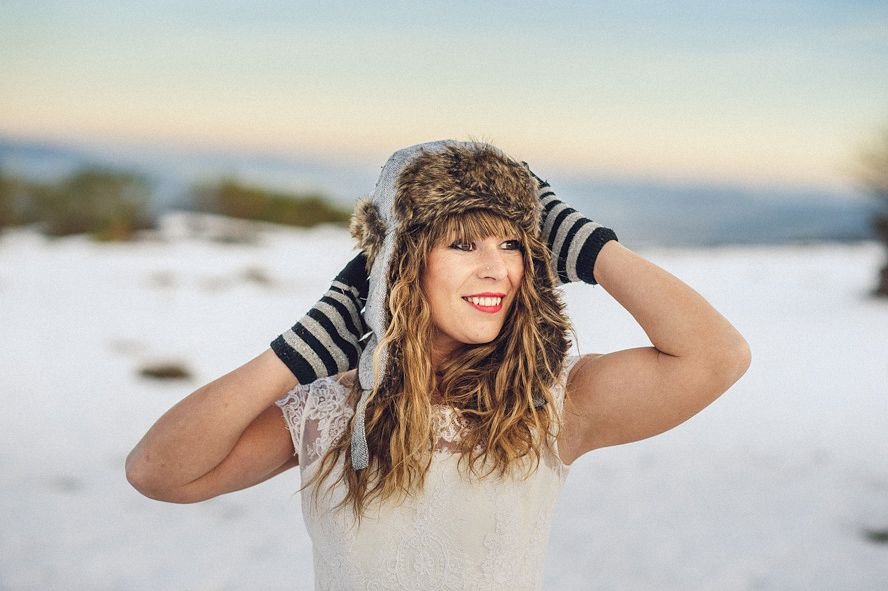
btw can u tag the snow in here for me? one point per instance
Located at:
(774, 486)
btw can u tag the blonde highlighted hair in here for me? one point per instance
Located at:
(497, 386)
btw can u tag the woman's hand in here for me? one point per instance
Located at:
(573, 239)
(327, 341)
(637, 393)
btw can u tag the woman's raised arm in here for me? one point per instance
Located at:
(225, 436)
(637, 393)
(228, 435)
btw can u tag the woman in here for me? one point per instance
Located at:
(436, 464)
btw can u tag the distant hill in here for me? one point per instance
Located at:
(643, 213)
(664, 214)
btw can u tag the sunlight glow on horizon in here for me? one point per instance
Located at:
(780, 95)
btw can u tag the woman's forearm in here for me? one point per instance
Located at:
(198, 433)
(677, 319)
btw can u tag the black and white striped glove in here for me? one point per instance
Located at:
(573, 239)
(327, 340)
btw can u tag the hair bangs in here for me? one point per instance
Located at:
(475, 224)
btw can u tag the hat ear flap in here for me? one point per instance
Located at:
(368, 229)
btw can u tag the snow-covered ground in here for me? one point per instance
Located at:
(775, 486)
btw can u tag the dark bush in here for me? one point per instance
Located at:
(876, 536)
(872, 174)
(165, 371)
(231, 198)
(12, 196)
(108, 205)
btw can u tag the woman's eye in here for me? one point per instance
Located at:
(465, 246)
(513, 245)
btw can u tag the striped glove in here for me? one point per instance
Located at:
(573, 240)
(327, 340)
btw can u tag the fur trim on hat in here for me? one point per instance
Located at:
(462, 178)
(367, 228)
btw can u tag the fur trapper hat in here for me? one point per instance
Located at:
(417, 186)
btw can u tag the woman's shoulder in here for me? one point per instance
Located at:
(570, 362)
(567, 367)
(346, 379)
(317, 415)
(326, 392)
(337, 391)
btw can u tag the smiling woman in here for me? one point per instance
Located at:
(470, 281)
(438, 463)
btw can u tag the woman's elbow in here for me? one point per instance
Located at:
(744, 357)
(146, 480)
(731, 360)
(141, 477)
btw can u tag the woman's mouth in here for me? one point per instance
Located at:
(486, 303)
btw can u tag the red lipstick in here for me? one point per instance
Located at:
(487, 302)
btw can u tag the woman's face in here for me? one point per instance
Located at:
(470, 288)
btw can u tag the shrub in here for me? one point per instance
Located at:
(872, 174)
(165, 371)
(105, 204)
(231, 198)
(11, 195)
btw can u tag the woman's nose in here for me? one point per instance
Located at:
(492, 264)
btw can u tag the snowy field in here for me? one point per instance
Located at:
(782, 484)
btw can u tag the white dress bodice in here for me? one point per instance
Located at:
(457, 533)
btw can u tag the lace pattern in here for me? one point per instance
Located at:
(457, 534)
(317, 415)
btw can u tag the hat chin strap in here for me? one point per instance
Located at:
(360, 455)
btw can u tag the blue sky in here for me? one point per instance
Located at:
(754, 92)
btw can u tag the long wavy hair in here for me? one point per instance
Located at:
(494, 386)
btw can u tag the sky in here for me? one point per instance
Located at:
(778, 93)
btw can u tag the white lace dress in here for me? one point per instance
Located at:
(457, 534)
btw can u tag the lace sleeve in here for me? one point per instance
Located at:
(558, 393)
(559, 390)
(317, 416)
(325, 420)
(293, 405)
